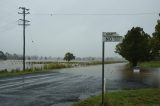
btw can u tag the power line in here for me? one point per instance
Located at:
(97, 14)
(9, 23)
(8, 26)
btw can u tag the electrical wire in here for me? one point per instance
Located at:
(8, 26)
(33, 42)
(96, 14)
(9, 23)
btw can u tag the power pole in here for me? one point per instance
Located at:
(24, 24)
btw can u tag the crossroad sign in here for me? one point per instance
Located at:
(111, 37)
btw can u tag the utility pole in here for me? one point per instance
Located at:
(24, 24)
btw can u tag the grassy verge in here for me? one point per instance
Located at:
(106, 62)
(96, 63)
(150, 64)
(143, 97)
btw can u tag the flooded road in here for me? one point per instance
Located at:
(64, 86)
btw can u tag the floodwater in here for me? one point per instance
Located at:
(18, 64)
(65, 86)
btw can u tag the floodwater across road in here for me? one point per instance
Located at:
(65, 86)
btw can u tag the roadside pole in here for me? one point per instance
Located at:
(107, 37)
(24, 24)
(104, 85)
(103, 72)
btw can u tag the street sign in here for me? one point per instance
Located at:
(107, 37)
(110, 33)
(111, 37)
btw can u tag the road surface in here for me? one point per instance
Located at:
(65, 86)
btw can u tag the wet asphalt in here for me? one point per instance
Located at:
(64, 86)
(53, 89)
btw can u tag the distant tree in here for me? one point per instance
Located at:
(135, 46)
(45, 58)
(41, 58)
(155, 41)
(8, 55)
(2, 56)
(29, 58)
(69, 56)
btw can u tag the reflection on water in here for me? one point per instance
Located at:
(150, 76)
(119, 76)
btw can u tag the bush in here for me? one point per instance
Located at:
(4, 71)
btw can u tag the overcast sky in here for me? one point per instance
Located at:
(60, 26)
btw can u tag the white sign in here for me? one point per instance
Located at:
(111, 37)
(109, 33)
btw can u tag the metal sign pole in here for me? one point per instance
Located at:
(103, 73)
(107, 37)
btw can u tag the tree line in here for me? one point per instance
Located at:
(9, 56)
(138, 46)
(4, 56)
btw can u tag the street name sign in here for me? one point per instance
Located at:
(107, 37)
(111, 37)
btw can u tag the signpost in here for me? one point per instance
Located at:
(107, 37)
(111, 37)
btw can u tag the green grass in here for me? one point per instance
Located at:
(106, 62)
(143, 97)
(98, 62)
(150, 64)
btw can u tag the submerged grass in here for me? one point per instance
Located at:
(150, 64)
(143, 97)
